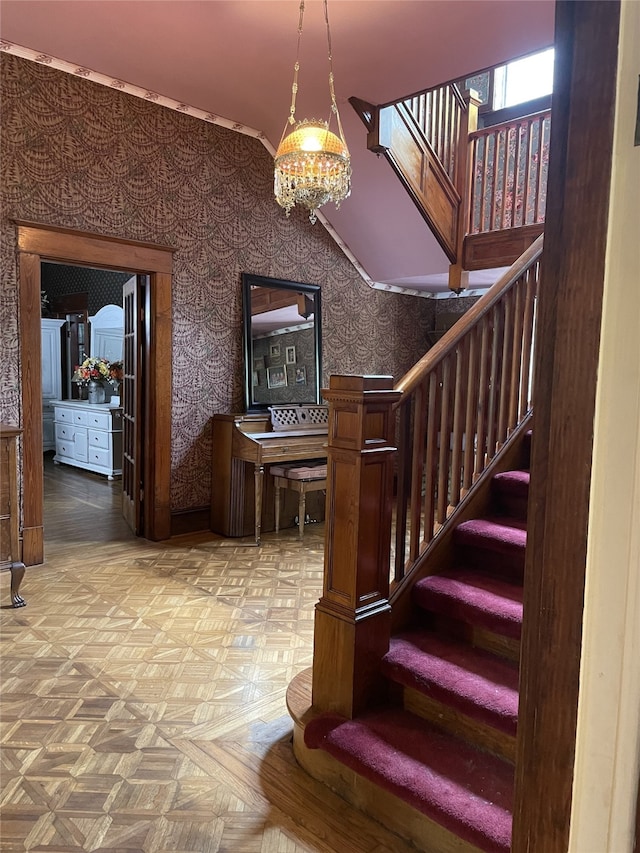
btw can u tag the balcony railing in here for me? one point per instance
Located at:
(509, 166)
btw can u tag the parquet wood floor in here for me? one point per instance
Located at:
(143, 692)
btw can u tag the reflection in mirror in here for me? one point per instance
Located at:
(282, 342)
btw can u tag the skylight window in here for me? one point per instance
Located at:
(523, 80)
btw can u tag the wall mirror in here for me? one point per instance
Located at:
(282, 342)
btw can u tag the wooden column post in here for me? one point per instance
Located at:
(458, 278)
(352, 621)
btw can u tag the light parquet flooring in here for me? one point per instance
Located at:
(143, 692)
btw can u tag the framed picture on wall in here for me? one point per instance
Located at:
(276, 377)
(258, 362)
(301, 375)
(290, 355)
(274, 352)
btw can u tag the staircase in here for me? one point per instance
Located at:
(443, 742)
(410, 710)
(481, 190)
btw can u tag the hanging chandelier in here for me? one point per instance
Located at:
(312, 164)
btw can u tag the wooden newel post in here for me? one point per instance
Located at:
(352, 621)
(458, 277)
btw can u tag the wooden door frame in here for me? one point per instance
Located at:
(566, 368)
(36, 243)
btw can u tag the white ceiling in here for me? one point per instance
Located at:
(234, 58)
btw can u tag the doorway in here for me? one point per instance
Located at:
(37, 243)
(83, 317)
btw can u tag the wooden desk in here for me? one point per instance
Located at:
(242, 446)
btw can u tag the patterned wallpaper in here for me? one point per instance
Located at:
(80, 155)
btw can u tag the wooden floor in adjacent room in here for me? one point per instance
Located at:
(143, 691)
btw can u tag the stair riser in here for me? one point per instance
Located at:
(513, 506)
(481, 638)
(459, 620)
(456, 723)
(509, 566)
(505, 647)
(379, 804)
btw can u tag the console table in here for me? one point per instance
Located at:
(89, 436)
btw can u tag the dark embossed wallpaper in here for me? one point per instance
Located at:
(81, 155)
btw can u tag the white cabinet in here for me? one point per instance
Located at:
(51, 338)
(89, 436)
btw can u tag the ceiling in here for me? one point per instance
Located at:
(234, 58)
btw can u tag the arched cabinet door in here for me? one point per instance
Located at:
(107, 331)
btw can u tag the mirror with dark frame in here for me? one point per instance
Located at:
(282, 342)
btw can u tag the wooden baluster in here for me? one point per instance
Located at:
(531, 278)
(431, 456)
(471, 418)
(494, 381)
(352, 620)
(462, 363)
(516, 355)
(505, 179)
(540, 123)
(417, 470)
(527, 178)
(516, 217)
(432, 117)
(402, 489)
(485, 197)
(483, 397)
(445, 439)
(505, 362)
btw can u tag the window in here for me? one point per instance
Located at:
(523, 80)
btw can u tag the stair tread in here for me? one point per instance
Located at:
(493, 532)
(478, 683)
(519, 477)
(475, 597)
(468, 791)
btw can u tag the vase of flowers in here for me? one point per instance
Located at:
(100, 376)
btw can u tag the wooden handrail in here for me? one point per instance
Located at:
(505, 125)
(448, 342)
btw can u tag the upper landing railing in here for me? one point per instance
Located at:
(468, 183)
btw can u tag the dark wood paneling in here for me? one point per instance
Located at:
(421, 172)
(158, 463)
(570, 306)
(498, 248)
(190, 521)
(31, 374)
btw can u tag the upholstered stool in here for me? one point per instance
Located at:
(301, 478)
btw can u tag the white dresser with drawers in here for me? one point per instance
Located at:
(88, 436)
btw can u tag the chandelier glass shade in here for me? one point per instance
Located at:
(312, 163)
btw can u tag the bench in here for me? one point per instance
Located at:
(301, 478)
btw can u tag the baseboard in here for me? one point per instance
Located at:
(190, 520)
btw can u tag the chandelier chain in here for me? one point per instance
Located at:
(296, 69)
